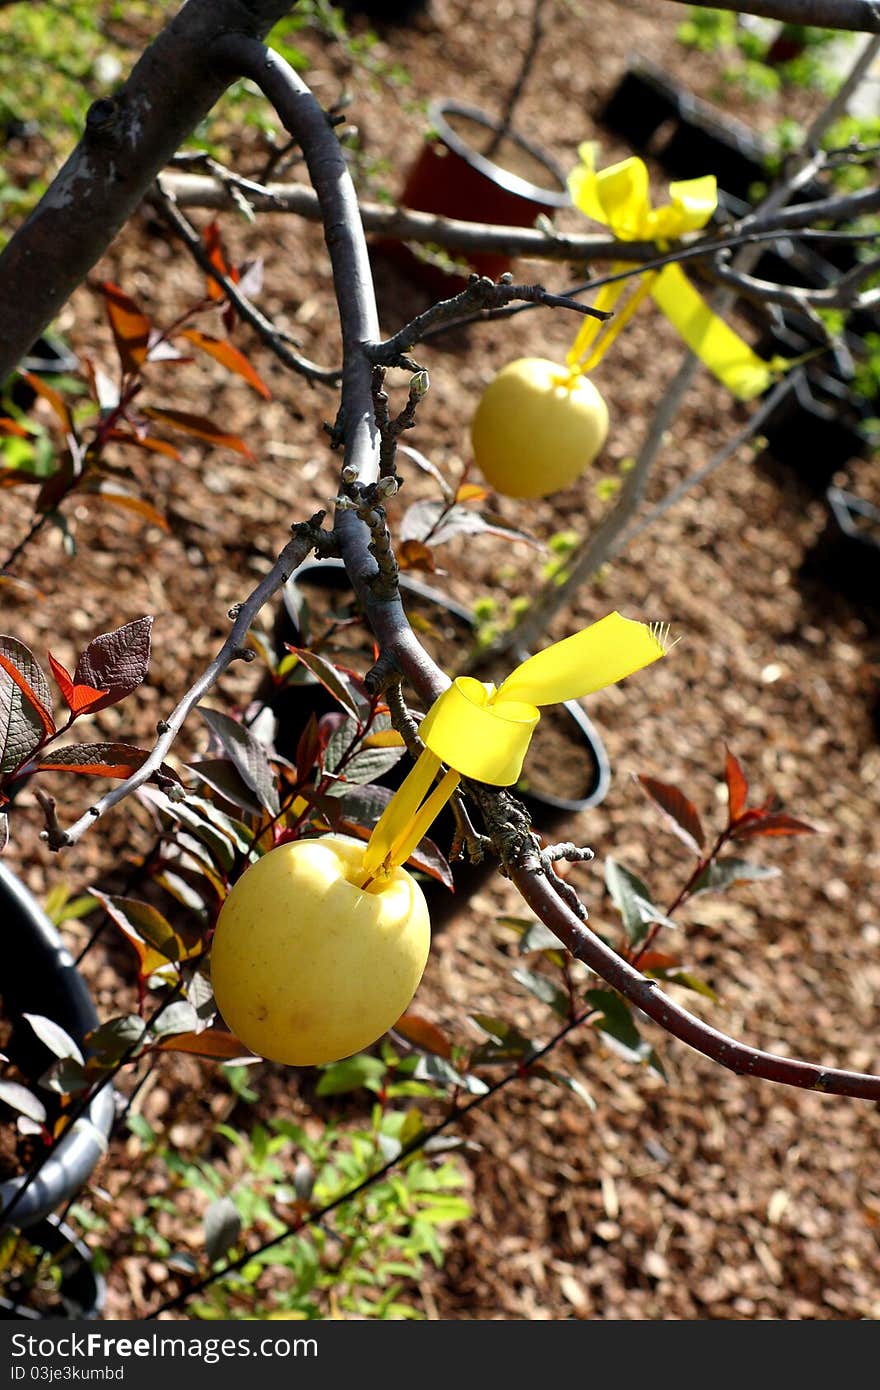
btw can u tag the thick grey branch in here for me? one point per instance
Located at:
(127, 141)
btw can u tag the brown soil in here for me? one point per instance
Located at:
(699, 1197)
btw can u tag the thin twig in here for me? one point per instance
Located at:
(165, 204)
(293, 554)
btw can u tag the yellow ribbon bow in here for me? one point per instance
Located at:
(619, 197)
(482, 731)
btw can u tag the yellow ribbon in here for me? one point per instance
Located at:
(482, 731)
(619, 197)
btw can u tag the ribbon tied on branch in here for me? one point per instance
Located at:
(482, 731)
(619, 198)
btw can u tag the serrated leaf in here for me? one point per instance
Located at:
(178, 1017)
(110, 492)
(25, 703)
(688, 980)
(53, 397)
(334, 679)
(723, 873)
(367, 765)
(222, 776)
(773, 823)
(229, 357)
(212, 1043)
(424, 1034)
(422, 522)
(543, 989)
(616, 1022)
(118, 760)
(130, 327)
(200, 427)
(54, 1037)
(505, 1041)
(632, 899)
(430, 1067)
(19, 1098)
(222, 1228)
(249, 756)
(362, 807)
(152, 937)
(146, 442)
(737, 786)
(111, 1040)
(67, 1077)
(679, 811)
(79, 698)
(350, 1075)
(116, 661)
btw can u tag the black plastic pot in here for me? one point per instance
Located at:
(293, 705)
(814, 428)
(454, 177)
(846, 555)
(81, 1291)
(40, 978)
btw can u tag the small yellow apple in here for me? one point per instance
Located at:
(536, 428)
(307, 966)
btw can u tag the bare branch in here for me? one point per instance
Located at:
(166, 205)
(127, 141)
(673, 1019)
(306, 534)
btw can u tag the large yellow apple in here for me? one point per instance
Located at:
(537, 427)
(307, 966)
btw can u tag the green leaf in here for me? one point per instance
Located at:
(632, 899)
(723, 873)
(543, 989)
(350, 1075)
(620, 1030)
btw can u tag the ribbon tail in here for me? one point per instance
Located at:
(395, 820)
(596, 337)
(421, 823)
(600, 655)
(718, 346)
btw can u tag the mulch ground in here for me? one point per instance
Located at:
(701, 1196)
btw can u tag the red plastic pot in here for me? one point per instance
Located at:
(453, 177)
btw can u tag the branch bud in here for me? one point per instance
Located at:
(418, 386)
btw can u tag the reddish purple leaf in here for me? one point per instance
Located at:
(737, 786)
(94, 759)
(680, 813)
(131, 327)
(31, 705)
(116, 661)
(80, 698)
(774, 823)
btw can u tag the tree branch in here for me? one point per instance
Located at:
(306, 534)
(824, 14)
(127, 141)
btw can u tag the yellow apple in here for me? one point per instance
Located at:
(536, 428)
(307, 966)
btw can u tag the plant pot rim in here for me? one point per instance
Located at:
(503, 178)
(76, 1154)
(52, 1234)
(573, 708)
(844, 504)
